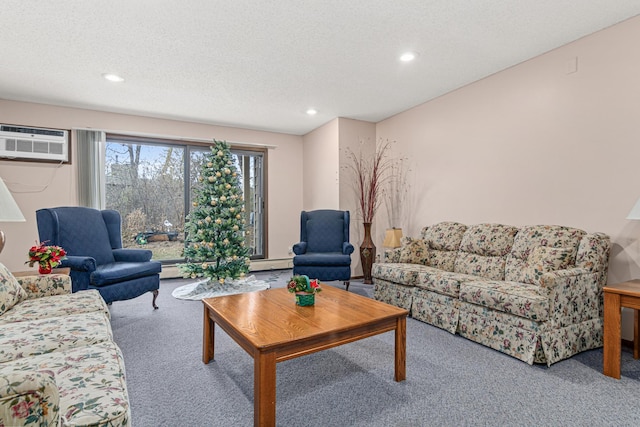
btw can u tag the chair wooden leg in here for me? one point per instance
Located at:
(155, 295)
(346, 284)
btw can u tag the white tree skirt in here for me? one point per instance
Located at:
(208, 289)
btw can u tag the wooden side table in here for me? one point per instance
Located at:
(625, 294)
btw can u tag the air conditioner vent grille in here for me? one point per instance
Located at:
(33, 143)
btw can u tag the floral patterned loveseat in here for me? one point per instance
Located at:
(59, 365)
(533, 292)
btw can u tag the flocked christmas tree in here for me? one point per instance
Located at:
(215, 246)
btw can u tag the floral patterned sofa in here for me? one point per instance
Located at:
(59, 365)
(533, 292)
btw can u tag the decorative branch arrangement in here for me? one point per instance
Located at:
(371, 175)
(397, 190)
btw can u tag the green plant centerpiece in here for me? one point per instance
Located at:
(215, 238)
(304, 288)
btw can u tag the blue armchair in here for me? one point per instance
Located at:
(93, 241)
(324, 251)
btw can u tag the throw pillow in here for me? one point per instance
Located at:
(414, 251)
(544, 259)
(11, 292)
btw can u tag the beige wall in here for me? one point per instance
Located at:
(321, 165)
(536, 144)
(36, 185)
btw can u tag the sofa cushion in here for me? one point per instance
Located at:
(116, 272)
(530, 237)
(544, 260)
(521, 299)
(57, 305)
(30, 338)
(484, 249)
(90, 380)
(322, 259)
(443, 241)
(442, 282)
(11, 292)
(402, 273)
(414, 251)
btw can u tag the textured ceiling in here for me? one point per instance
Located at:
(261, 64)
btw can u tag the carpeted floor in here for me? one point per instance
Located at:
(450, 381)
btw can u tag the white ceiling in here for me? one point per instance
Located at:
(261, 64)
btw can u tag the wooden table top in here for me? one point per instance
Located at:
(271, 317)
(632, 287)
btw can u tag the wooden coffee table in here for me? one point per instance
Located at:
(271, 328)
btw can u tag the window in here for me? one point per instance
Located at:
(148, 181)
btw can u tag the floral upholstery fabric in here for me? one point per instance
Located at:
(90, 381)
(442, 282)
(544, 260)
(11, 292)
(593, 253)
(29, 399)
(530, 237)
(393, 293)
(392, 255)
(59, 365)
(57, 305)
(402, 273)
(534, 293)
(30, 338)
(484, 249)
(435, 309)
(46, 285)
(575, 296)
(414, 251)
(521, 299)
(443, 241)
(513, 335)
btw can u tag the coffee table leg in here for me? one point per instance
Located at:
(612, 343)
(401, 349)
(208, 337)
(264, 389)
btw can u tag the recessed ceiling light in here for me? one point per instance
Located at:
(312, 111)
(407, 57)
(113, 77)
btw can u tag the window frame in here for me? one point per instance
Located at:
(190, 145)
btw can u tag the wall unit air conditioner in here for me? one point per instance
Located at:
(30, 143)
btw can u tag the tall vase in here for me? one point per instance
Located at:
(367, 253)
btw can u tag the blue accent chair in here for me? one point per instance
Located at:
(324, 251)
(93, 241)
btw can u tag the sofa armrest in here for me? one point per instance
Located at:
(392, 255)
(29, 398)
(300, 248)
(132, 255)
(79, 263)
(559, 277)
(347, 248)
(575, 295)
(45, 285)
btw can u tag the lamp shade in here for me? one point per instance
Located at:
(392, 238)
(9, 210)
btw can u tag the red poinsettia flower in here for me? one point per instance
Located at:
(46, 255)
